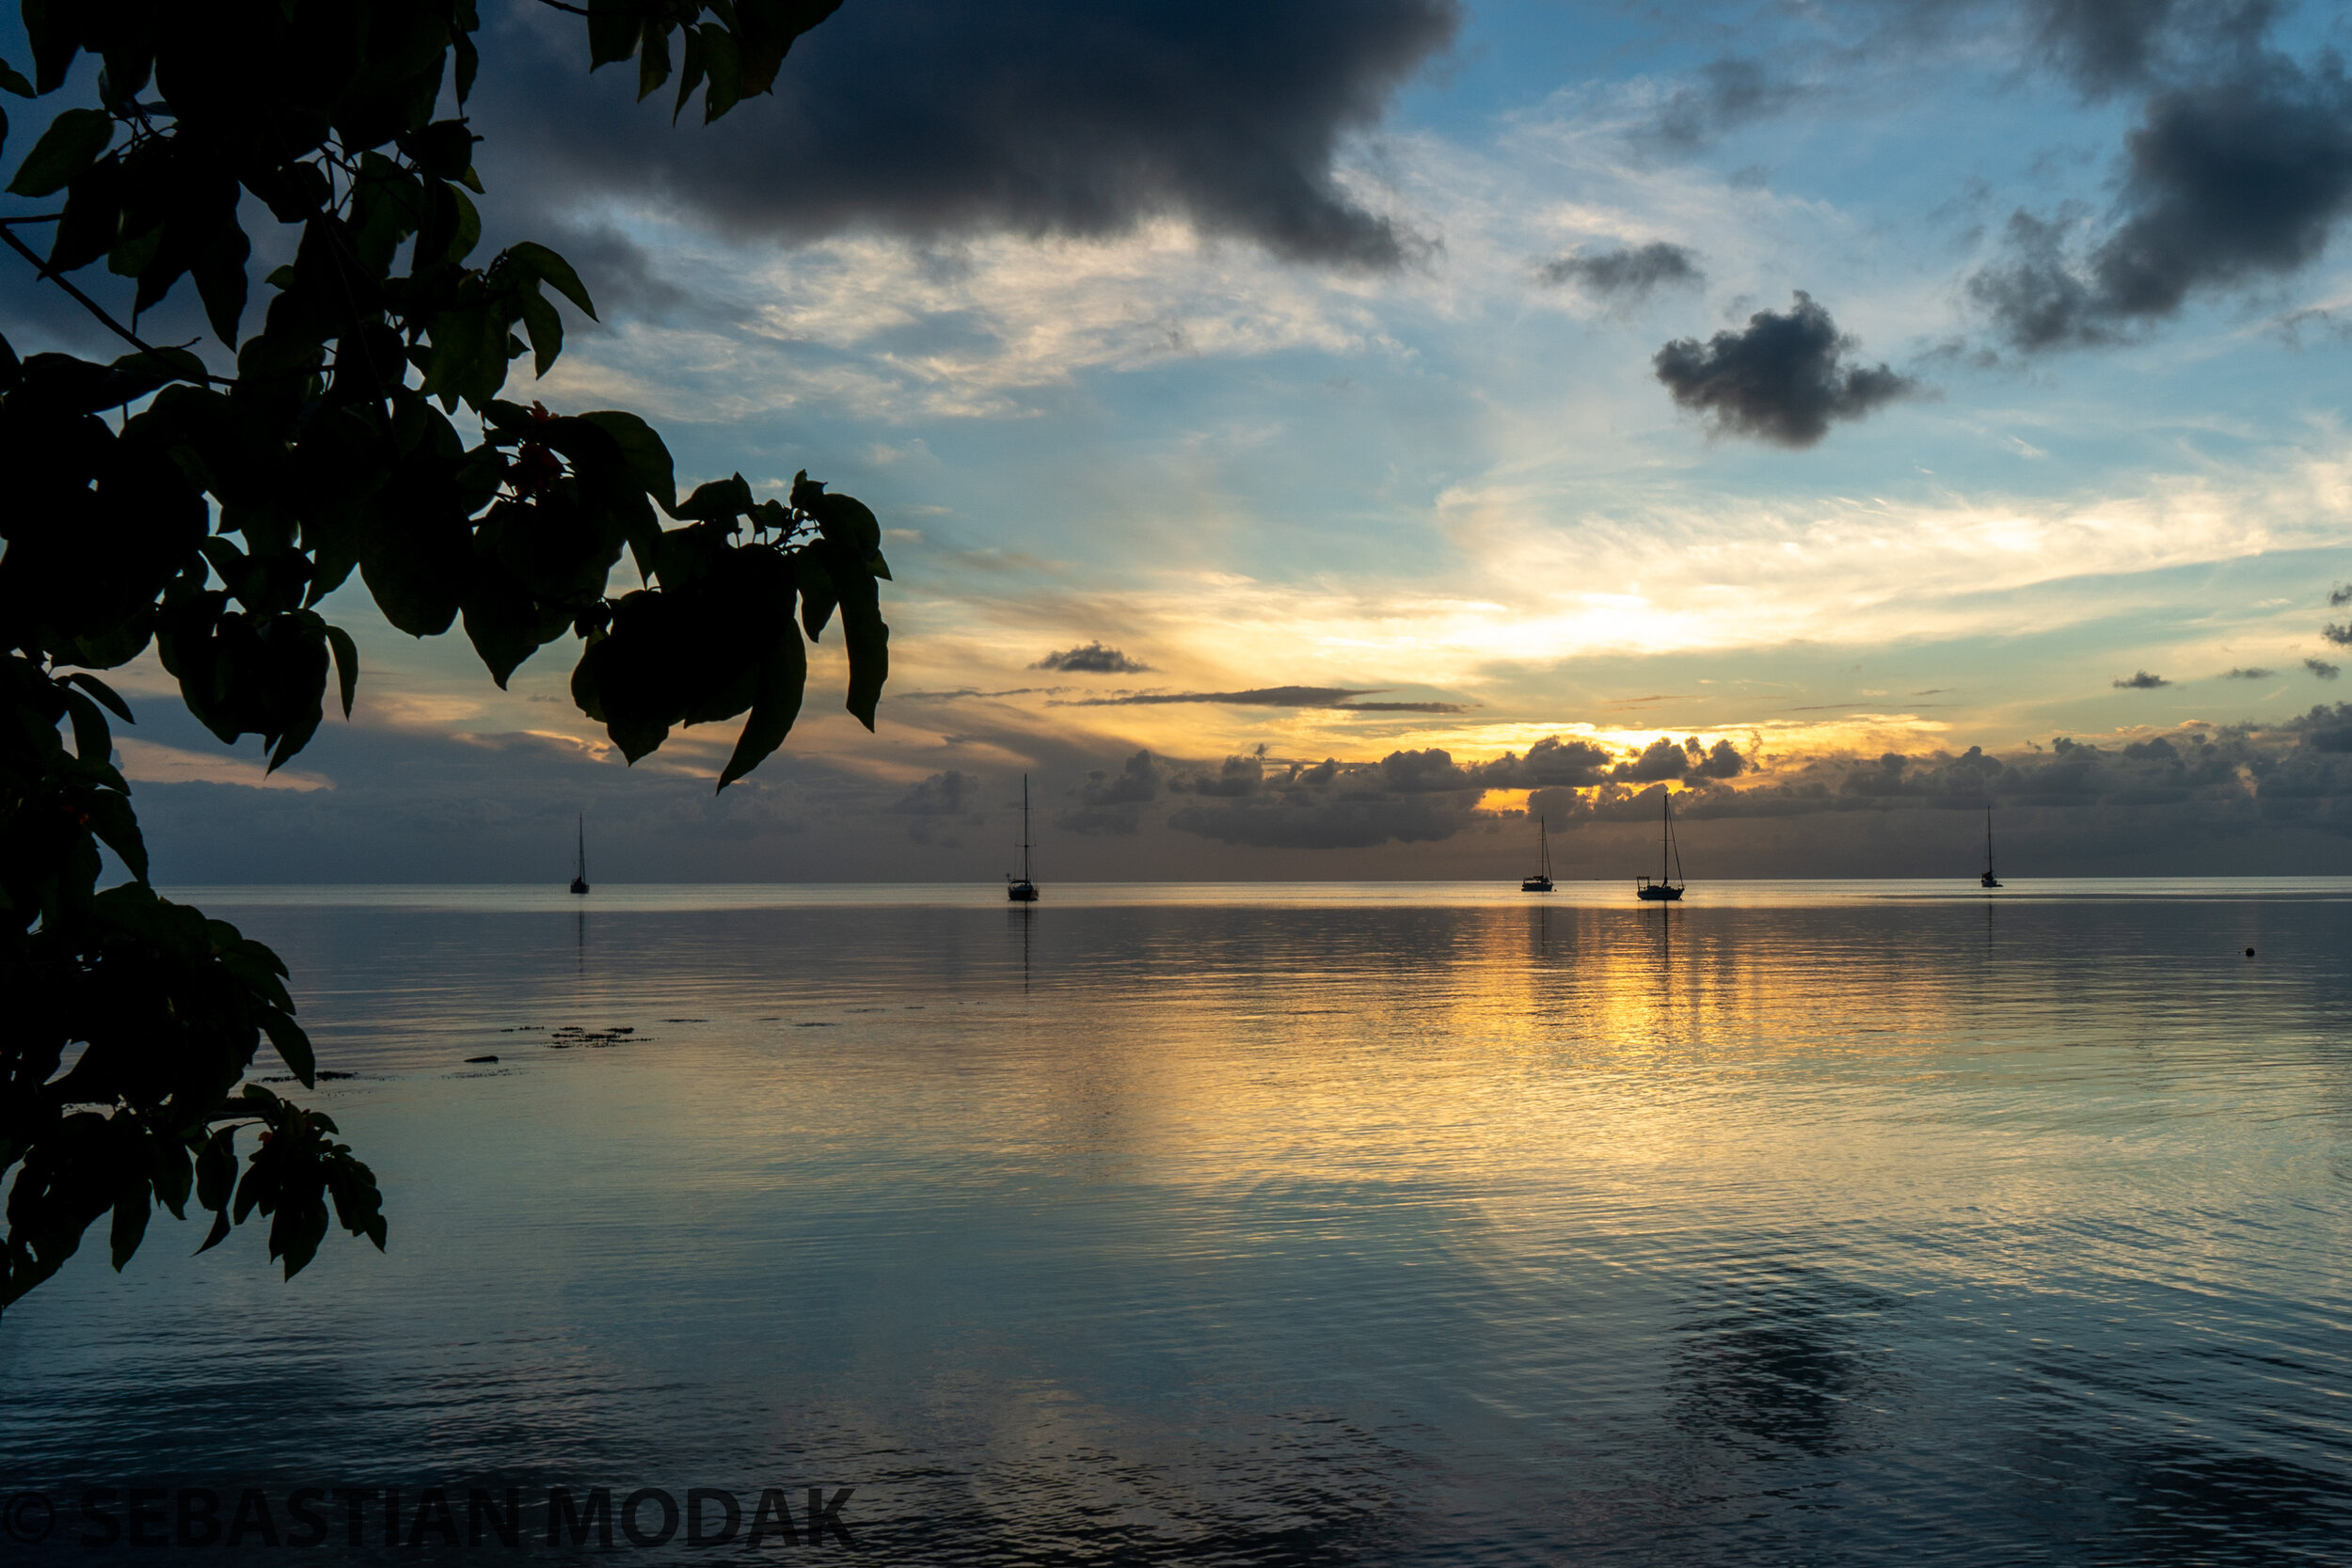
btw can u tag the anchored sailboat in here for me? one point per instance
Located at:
(1666, 887)
(580, 876)
(1988, 878)
(1541, 882)
(1023, 891)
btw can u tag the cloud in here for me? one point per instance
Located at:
(2139, 680)
(1326, 822)
(2249, 672)
(1659, 760)
(1112, 802)
(931, 118)
(2229, 180)
(1550, 763)
(2106, 46)
(1092, 659)
(949, 795)
(2324, 670)
(1239, 776)
(2339, 597)
(1730, 93)
(1782, 380)
(2340, 635)
(1721, 761)
(1340, 698)
(1630, 274)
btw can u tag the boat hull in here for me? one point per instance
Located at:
(1022, 892)
(1655, 894)
(1537, 884)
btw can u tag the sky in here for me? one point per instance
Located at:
(1315, 437)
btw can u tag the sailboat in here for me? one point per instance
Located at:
(1023, 891)
(1541, 882)
(1668, 850)
(580, 876)
(1988, 878)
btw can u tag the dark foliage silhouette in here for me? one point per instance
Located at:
(205, 503)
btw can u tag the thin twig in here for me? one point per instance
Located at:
(559, 5)
(38, 217)
(92, 305)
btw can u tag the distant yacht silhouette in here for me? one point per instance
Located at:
(1988, 878)
(1665, 888)
(580, 876)
(1023, 891)
(1541, 882)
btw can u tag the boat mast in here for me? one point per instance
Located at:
(1666, 828)
(1025, 826)
(1543, 846)
(1988, 838)
(581, 875)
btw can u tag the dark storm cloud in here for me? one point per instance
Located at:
(2230, 181)
(2104, 47)
(1628, 275)
(2340, 635)
(1783, 379)
(930, 118)
(1094, 660)
(1342, 698)
(2139, 680)
(2249, 672)
(2324, 670)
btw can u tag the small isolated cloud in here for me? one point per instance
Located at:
(1785, 379)
(1339, 697)
(2140, 680)
(2340, 635)
(2340, 595)
(2324, 670)
(2251, 672)
(1629, 276)
(1095, 658)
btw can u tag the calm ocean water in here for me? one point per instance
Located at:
(1312, 1224)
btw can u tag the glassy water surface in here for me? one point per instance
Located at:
(1314, 1224)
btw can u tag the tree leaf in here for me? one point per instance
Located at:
(293, 1046)
(105, 693)
(132, 1212)
(783, 680)
(613, 29)
(91, 740)
(546, 329)
(346, 664)
(649, 458)
(869, 638)
(653, 58)
(554, 269)
(73, 142)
